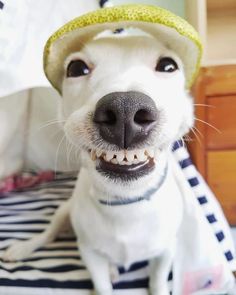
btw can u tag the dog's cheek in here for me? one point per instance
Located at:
(189, 112)
(188, 117)
(169, 128)
(75, 129)
(74, 96)
(177, 119)
(72, 132)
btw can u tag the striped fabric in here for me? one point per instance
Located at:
(208, 203)
(58, 266)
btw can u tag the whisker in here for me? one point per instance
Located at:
(208, 124)
(67, 154)
(77, 153)
(204, 105)
(55, 134)
(70, 151)
(38, 129)
(182, 141)
(197, 137)
(50, 124)
(57, 152)
(54, 120)
(69, 148)
(198, 131)
(187, 137)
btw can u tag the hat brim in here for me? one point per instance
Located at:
(177, 34)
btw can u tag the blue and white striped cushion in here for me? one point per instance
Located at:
(208, 203)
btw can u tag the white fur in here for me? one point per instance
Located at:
(121, 235)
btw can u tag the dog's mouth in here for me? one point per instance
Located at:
(124, 164)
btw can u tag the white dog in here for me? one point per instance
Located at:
(124, 103)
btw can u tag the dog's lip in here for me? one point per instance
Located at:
(125, 164)
(127, 171)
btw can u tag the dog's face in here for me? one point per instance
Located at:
(125, 103)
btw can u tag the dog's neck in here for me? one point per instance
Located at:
(113, 193)
(146, 196)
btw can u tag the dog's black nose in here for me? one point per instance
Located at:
(125, 118)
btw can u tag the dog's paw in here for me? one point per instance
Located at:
(18, 251)
(162, 291)
(114, 273)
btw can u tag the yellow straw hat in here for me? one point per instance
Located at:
(178, 34)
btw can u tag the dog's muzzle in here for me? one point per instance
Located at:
(126, 120)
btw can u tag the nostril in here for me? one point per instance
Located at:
(110, 117)
(125, 119)
(144, 117)
(107, 117)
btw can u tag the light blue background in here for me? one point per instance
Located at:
(176, 6)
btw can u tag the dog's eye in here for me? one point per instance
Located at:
(77, 68)
(166, 64)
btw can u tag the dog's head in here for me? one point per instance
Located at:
(125, 103)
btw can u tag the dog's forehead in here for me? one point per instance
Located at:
(112, 45)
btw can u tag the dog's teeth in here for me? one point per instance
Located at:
(130, 156)
(150, 152)
(93, 155)
(99, 153)
(125, 157)
(135, 161)
(114, 161)
(109, 156)
(120, 156)
(141, 156)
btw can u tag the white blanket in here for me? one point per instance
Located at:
(25, 27)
